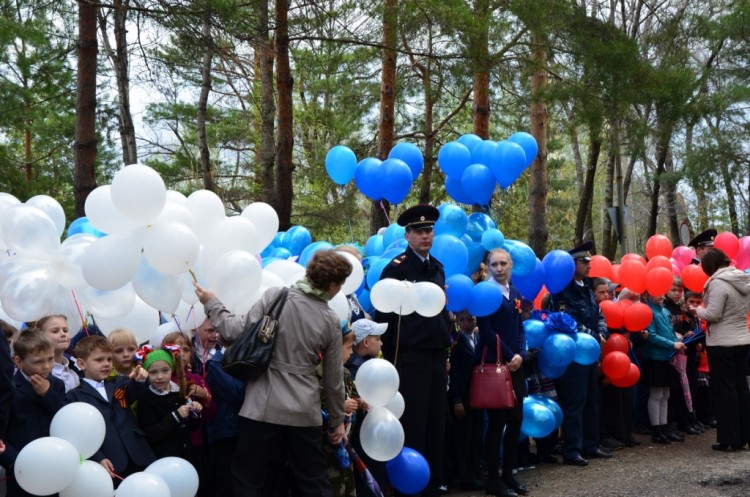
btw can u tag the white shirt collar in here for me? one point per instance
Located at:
(99, 386)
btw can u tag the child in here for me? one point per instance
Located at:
(56, 328)
(38, 397)
(125, 449)
(165, 412)
(124, 346)
(367, 343)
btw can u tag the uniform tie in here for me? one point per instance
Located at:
(426, 266)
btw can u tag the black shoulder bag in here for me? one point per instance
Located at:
(249, 356)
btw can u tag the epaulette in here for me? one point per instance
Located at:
(398, 260)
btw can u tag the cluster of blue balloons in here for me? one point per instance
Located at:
(558, 350)
(287, 244)
(554, 272)
(541, 416)
(83, 225)
(390, 179)
(473, 166)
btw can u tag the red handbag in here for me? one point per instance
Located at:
(491, 385)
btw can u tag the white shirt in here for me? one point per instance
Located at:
(67, 375)
(99, 385)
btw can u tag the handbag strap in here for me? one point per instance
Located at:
(279, 302)
(498, 356)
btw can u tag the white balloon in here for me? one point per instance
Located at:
(396, 405)
(236, 276)
(382, 435)
(139, 193)
(175, 197)
(46, 465)
(29, 231)
(67, 304)
(189, 316)
(173, 212)
(427, 298)
(142, 321)
(13, 322)
(340, 305)
(14, 265)
(30, 295)
(289, 271)
(107, 304)
(171, 247)
(180, 476)
(67, 262)
(407, 306)
(82, 425)
(377, 382)
(6, 200)
(91, 480)
(143, 485)
(234, 233)
(111, 261)
(162, 330)
(389, 295)
(158, 290)
(52, 208)
(354, 280)
(269, 280)
(207, 210)
(265, 220)
(102, 213)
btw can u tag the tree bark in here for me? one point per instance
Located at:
(538, 234)
(285, 117)
(584, 207)
(208, 54)
(85, 143)
(481, 114)
(661, 157)
(670, 195)
(264, 68)
(731, 201)
(609, 249)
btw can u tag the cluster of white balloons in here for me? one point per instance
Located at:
(404, 297)
(58, 463)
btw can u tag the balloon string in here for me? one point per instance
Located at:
(118, 476)
(84, 324)
(177, 322)
(385, 212)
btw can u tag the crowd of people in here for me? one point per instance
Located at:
(295, 430)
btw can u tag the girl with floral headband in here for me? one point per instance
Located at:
(165, 412)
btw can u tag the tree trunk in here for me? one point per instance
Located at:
(731, 201)
(208, 54)
(538, 234)
(264, 68)
(481, 108)
(661, 158)
(429, 133)
(609, 245)
(85, 144)
(285, 118)
(670, 194)
(584, 207)
(379, 211)
(701, 204)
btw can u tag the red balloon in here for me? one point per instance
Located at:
(658, 261)
(683, 255)
(728, 243)
(637, 317)
(630, 379)
(694, 278)
(616, 273)
(633, 275)
(624, 304)
(659, 281)
(633, 257)
(601, 267)
(616, 343)
(743, 255)
(616, 365)
(612, 314)
(658, 245)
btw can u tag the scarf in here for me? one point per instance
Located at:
(306, 287)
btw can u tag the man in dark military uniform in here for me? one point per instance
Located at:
(578, 386)
(701, 243)
(419, 348)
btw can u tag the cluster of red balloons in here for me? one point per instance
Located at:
(633, 316)
(616, 364)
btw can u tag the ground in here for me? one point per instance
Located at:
(689, 469)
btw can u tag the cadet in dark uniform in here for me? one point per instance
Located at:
(578, 386)
(701, 243)
(419, 351)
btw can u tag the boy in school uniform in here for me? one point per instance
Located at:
(125, 450)
(38, 397)
(367, 343)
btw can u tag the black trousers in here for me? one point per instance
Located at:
(467, 443)
(730, 393)
(261, 446)
(578, 391)
(510, 421)
(221, 455)
(617, 412)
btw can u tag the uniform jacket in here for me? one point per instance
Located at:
(7, 388)
(289, 392)
(579, 302)
(661, 336)
(123, 440)
(167, 432)
(462, 362)
(726, 297)
(506, 322)
(417, 332)
(229, 393)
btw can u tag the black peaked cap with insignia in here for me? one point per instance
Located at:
(582, 251)
(419, 216)
(704, 239)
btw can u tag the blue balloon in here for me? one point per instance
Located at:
(524, 259)
(451, 253)
(530, 284)
(559, 349)
(549, 370)
(588, 349)
(275, 243)
(508, 162)
(408, 472)
(83, 225)
(458, 292)
(479, 222)
(469, 140)
(395, 180)
(366, 177)
(374, 246)
(341, 163)
(411, 155)
(536, 333)
(376, 269)
(456, 191)
(477, 181)
(486, 298)
(452, 220)
(483, 152)
(476, 254)
(528, 144)
(493, 238)
(310, 250)
(396, 247)
(453, 158)
(553, 406)
(364, 300)
(280, 252)
(538, 420)
(265, 261)
(393, 233)
(296, 239)
(559, 269)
